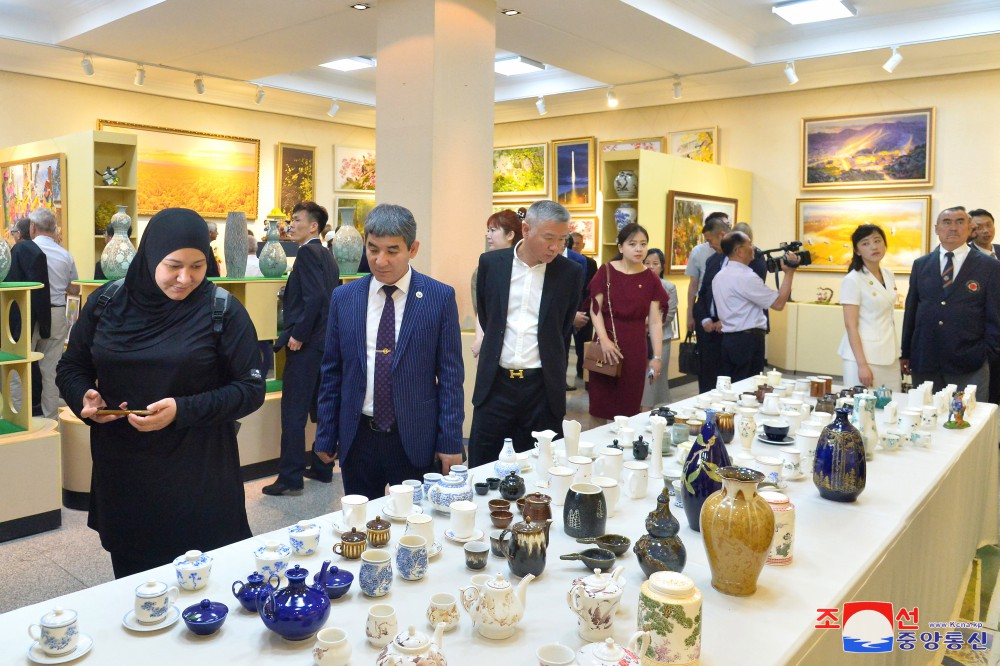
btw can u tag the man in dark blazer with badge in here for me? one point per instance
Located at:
(951, 328)
(528, 297)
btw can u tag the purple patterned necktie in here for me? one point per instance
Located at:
(385, 341)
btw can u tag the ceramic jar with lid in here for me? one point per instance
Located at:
(272, 558)
(378, 532)
(670, 610)
(304, 537)
(538, 507)
(784, 527)
(595, 600)
(192, 569)
(205, 618)
(352, 544)
(450, 488)
(507, 462)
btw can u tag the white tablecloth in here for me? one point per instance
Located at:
(908, 540)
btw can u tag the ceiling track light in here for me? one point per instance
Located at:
(509, 12)
(612, 98)
(678, 89)
(334, 107)
(88, 65)
(790, 74)
(893, 61)
(361, 6)
(540, 105)
(199, 85)
(259, 97)
(140, 75)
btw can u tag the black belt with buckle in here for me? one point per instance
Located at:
(369, 423)
(752, 331)
(519, 373)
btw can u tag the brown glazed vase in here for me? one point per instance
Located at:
(737, 525)
(725, 421)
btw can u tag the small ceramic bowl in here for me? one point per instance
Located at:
(616, 543)
(776, 430)
(499, 505)
(593, 558)
(482, 487)
(206, 617)
(338, 582)
(520, 506)
(501, 519)
(494, 482)
(694, 426)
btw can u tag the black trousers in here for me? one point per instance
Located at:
(710, 351)
(514, 408)
(580, 338)
(742, 354)
(377, 459)
(300, 384)
(995, 381)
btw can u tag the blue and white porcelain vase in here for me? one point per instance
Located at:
(119, 252)
(626, 184)
(625, 215)
(193, 569)
(699, 476)
(839, 470)
(273, 262)
(507, 462)
(348, 245)
(450, 488)
(298, 611)
(236, 245)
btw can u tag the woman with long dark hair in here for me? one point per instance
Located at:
(868, 295)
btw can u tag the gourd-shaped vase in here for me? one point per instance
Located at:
(4, 259)
(236, 245)
(507, 462)
(738, 526)
(273, 262)
(119, 252)
(699, 476)
(348, 245)
(661, 549)
(839, 470)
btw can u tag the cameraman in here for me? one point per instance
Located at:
(740, 300)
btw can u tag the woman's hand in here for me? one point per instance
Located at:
(865, 375)
(164, 413)
(612, 355)
(655, 367)
(92, 401)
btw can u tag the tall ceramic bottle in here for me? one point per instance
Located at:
(738, 526)
(863, 418)
(119, 252)
(670, 610)
(661, 549)
(273, 262)
(699, 476)
(236, 245)
(839, 470)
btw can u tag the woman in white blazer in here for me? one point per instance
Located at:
(868, 295)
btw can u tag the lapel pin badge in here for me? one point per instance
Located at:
(420, 294)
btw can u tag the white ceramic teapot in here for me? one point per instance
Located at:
(414, 648)
(496, 607)
(610, 653)
(595, 599)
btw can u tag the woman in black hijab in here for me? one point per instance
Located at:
(168, 482)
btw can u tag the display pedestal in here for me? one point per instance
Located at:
(30, 502)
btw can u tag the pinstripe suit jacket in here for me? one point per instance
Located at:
(427, 371)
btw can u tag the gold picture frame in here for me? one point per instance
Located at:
(294, 175)
(590, 227)
(574, 177)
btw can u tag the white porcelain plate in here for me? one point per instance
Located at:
(784, 442)
(130, 623)
(37, 655)
(392, 516)
(477, 535)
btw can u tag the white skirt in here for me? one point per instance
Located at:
(884, 375)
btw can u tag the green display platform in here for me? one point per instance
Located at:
(8, 428)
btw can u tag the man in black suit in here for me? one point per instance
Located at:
(983, 232)
(584, 327)
(709, 332)
(527, 296)
(951, 328)
(28, 264)
(307, 305)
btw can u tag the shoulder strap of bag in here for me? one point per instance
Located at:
(610, 312)
(220, 303)
(105, 297)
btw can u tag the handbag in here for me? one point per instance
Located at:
(688, 357)
(593, 357)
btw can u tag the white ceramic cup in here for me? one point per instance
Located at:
(625, 437)
(57, 632)
(620, 422)
(584, 467)
(723, 383)
(771, 405)
(928, 418)
(890, 440)
(381, 626)
(560, 479)
(418, 489)
(748, 400)
(355, 510)
(443, 607)
(609, 463)
(555, 654)
(774, 378)
(153, 600)
(331, 648)
(921, 438)
(635, 479)
(909, 420)
(806, 440)
(771, 467)
(400, 502)
(703, 401)
(463, 518)
(915, 398)
(420, 524)
(890, 412)
(585, 449)
(792, 461)
(612, 491)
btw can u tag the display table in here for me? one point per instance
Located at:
(908, 540)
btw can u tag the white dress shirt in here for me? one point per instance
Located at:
(961, 253)
(253, 266)
(62, 269)
(876, 304)
(741, 298)
(520, 337)
(376, 303)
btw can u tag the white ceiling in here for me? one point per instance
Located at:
(719, 48)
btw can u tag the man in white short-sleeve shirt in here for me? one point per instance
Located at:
(716, 226)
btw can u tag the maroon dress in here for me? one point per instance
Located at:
(630, 299)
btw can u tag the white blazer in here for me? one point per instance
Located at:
(875, 315)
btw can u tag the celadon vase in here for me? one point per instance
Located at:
(4, 259)
(273, 262)
(737, 526)
(119, 252)
(348, 245)
(236, 245)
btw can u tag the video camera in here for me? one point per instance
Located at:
(774, 264)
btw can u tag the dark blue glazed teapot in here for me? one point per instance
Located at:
(248, 592)
(298, 611)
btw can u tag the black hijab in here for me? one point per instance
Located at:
(142, 315)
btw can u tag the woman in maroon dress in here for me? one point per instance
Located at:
(636, 297)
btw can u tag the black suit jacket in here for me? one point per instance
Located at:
(957, 332)
(28, 264)
(307, 296)
(585, 294)
(560, 298)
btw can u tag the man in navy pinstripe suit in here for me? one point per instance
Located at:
(390, 397)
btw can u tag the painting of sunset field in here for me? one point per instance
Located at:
(825, 227)
(211, 174)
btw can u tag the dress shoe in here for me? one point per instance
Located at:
(310, 473)
(278, 488)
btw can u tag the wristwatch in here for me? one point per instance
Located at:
(657, 358)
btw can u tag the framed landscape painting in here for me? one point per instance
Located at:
(825, 226)
(521, 171)
(212, 174)
(654, 143)
(686, 213)
(894, 149)
(32, 183)
(353, 169)
(573, 180)
(295, 178)
(700, 145)
(590, 227)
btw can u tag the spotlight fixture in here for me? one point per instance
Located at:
(540, 105)
(140, 75)
(678, 90)
(509, 12)
(334, 107)
(259, 98)
(88, 65)
(361, 6)
(893, 61)
(612, 98)
(790, 74)
(199, 85)
(798, 12)
(516, 64)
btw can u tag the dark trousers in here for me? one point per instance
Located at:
(514, 408)
(377, 459)
(995, 381)
(981, 378)
(742, 354)
(298, 398)
(580, 338)
(126, 564)
(710, 352)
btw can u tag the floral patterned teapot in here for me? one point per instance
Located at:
(595, 600)
(497, 607)
(610, 653)
(414, 648)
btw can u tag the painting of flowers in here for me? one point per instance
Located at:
(701, 145)
(686, 213)
(521, 170)
(31, 184)
(353, 169)
(295, 175)
(587, 226)
(653, 143)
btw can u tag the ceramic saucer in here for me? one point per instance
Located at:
(37, 655)
(784, 442)
(783, 485)
(435, 549)
(393, 516)
(130, 623)
(477, 535)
